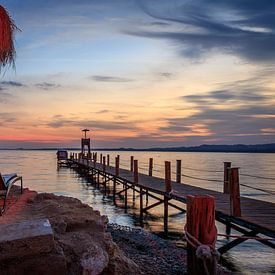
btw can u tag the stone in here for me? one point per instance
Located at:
(25, 238)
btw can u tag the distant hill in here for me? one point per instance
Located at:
(235, 148)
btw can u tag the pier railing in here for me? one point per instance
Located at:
(202, 208)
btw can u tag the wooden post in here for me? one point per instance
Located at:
(141, 207)
(235, 198)
(125, 197)
(117, 166)
(108, 160)
(178, 172)
(168, 189)
(226, 189)
(94, 160)
(135, 176)
(150, 167)
(135, 171)
(132, 164)
(100, 158)
(114, 191)
(200, 223)
(95, 156)
(104, 164)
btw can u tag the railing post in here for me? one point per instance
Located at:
(95, 156)
(135, 171)
(117, 166)
(100, 158)
(168, 189)
(104, 164)
(178, 172)
(150, 167)
(235, 198)
(108, 160)
(226, 166)
(132, 164)
(200, 225)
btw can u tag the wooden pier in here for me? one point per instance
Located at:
(248, 216)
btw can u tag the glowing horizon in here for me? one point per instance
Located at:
(139, 74)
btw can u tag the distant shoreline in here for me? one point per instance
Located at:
(236, 148)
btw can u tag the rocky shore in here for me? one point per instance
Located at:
(84, 243)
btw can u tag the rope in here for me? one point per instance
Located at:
(196, 178)
(202, 170)
(259, 189)
(203, 251)
(257, 177)
(246, 237)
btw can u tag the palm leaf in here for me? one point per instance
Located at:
(7, 28)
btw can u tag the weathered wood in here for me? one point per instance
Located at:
(108, 160)
(235, 198)
(125, 198)
(178, 172)
(100, 158)
(114, 191)
(150, 167)
(226, 189)
(117, 166)
(168, 187)
(165, 217)
(256, 215)
(141, 207)
(135, 171)
(200, 224)
(104, 164)
(132, 164)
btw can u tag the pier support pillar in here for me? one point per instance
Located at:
(201, 230)
(226, 188)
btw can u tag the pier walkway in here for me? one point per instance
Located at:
(257, 217)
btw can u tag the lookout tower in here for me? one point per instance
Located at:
(85, 145)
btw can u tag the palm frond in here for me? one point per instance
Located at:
(7, 28)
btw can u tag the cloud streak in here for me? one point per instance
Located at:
(248, 33)
(105, 78)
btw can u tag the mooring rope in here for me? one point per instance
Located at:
(259, 189)
(197, 178)
(203, 251)
(246, 237)
(257, 177)
(202, 170)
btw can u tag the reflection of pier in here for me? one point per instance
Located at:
(248, 216)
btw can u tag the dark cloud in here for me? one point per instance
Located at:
(222, 96)
(102, 111)
(59, 122)
(12, 83)
(243, 28)
(104, 78)
(6, 118)
(47, 86)
(5, 97)
(166, 75)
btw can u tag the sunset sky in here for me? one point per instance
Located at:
(140, 73)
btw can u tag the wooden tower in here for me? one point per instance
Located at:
(85, 145)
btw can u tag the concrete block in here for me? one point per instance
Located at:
(25, 238)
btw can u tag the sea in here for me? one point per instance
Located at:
(257, 178)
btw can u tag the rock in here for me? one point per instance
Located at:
(94, 261)
(81, 243)
(26, 238)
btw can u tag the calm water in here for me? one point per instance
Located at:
(40, 173)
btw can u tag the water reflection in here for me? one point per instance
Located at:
(40, 173)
